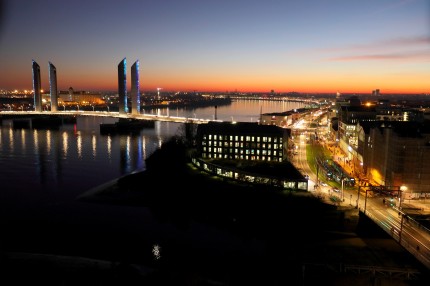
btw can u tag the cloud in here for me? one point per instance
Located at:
(415, 48)
(399, 42)
(406, 56)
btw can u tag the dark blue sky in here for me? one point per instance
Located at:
(308, 45)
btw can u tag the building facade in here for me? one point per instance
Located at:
(397, 153)
(243, 140)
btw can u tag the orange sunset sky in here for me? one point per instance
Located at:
(303, 46)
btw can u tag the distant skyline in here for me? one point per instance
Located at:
(245, 45)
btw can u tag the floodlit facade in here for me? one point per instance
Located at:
(122, 87)
(53, 87)
(37, 87)
(135, 93)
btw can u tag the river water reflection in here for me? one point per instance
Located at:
(76, 157)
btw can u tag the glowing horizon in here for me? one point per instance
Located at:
(355, 47)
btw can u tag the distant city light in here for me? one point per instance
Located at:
(156, 251)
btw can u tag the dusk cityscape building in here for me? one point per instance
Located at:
(243, 141)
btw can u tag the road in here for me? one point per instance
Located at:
(410, 234)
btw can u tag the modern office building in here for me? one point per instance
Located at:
(242, 140)
(37, 87)
(135, 93)
(53, 87)
(248, 142)
(122, 87)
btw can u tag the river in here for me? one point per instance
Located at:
(63, 163)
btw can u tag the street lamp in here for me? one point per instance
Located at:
(358, 196)
(342, 191)
(402, 189)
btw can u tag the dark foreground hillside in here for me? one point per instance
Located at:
(173, 225)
